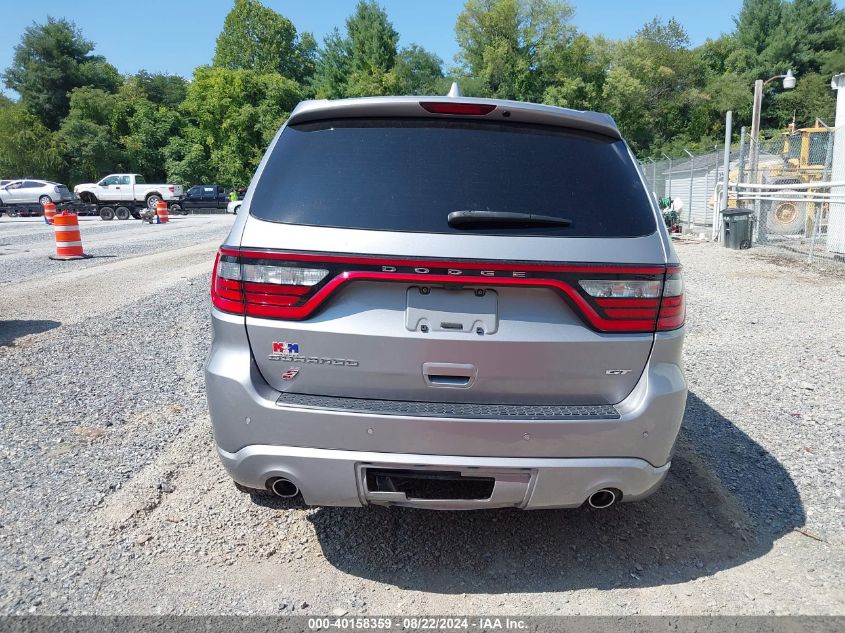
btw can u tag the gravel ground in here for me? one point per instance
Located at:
(26, 243)
(113, 501)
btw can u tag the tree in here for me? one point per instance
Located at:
(506, 43)
(362, 62)
(333, 67)
(372, 39)
(417, 71)
(756, 22)
(27, 147)
(231, 116)
(51, 60)
(160, 88)
(257, 38)
(574, 74)
(654, 83)
(88, 145)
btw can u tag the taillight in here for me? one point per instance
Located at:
(226, 287)
(672, 309)
(260, 287)
(446, 107)
(172, 189)
(292, 286)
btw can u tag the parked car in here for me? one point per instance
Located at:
(128, 188)
(494, 321)
(34, 192)
(205, 197)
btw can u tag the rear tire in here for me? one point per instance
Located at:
(13, 213)
(44, 200)
(106, 213)
(135, 214)
(122, 213)
(151, 200)
(176, 209)
(786, 217)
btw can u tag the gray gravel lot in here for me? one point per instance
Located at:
(113, 501)
(26, 243)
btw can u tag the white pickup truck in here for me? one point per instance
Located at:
(127, 188)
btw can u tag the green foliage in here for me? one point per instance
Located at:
(507, 43)
(86, 137)
(27, 147)
(372, 39)
(417, 71)
(334, 63)
(231, 115)
(259, 39)
(160, 88)
(51, 60)
(364, 61)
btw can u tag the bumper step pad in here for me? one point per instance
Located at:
(411, 408)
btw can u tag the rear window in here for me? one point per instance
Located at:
(409, 174)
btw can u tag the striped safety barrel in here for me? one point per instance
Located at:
(68, 238)
(49, 212)
(162, 214)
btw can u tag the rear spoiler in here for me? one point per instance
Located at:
(510, 111)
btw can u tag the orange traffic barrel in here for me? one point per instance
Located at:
(49, 212)
(162, 214)
(68, 238)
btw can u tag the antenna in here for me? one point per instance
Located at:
(455, 90)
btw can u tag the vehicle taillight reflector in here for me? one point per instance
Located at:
(445, 107)
(672, 309)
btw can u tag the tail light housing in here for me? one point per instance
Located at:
(172, 189)
(293, 286)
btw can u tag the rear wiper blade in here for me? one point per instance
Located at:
(502, 219)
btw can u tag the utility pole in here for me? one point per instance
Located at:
(723, 203)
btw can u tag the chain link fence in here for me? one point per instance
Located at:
(794, 183)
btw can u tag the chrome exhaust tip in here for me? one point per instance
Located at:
(602, 499)
(282, 487)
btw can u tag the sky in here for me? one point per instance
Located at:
(178, 35)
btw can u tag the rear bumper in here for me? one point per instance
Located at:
(335, 477)
(321, 449)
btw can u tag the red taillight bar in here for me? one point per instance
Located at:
(618, 314)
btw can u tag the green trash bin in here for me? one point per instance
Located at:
(737, 227)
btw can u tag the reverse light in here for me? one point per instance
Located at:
(445, 107)
(636, 289)
(282, 275)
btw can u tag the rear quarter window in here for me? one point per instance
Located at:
(409, 174)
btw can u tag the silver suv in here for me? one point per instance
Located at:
(449, 303)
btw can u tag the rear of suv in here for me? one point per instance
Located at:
(448, 303)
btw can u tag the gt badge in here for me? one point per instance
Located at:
(290, 374)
